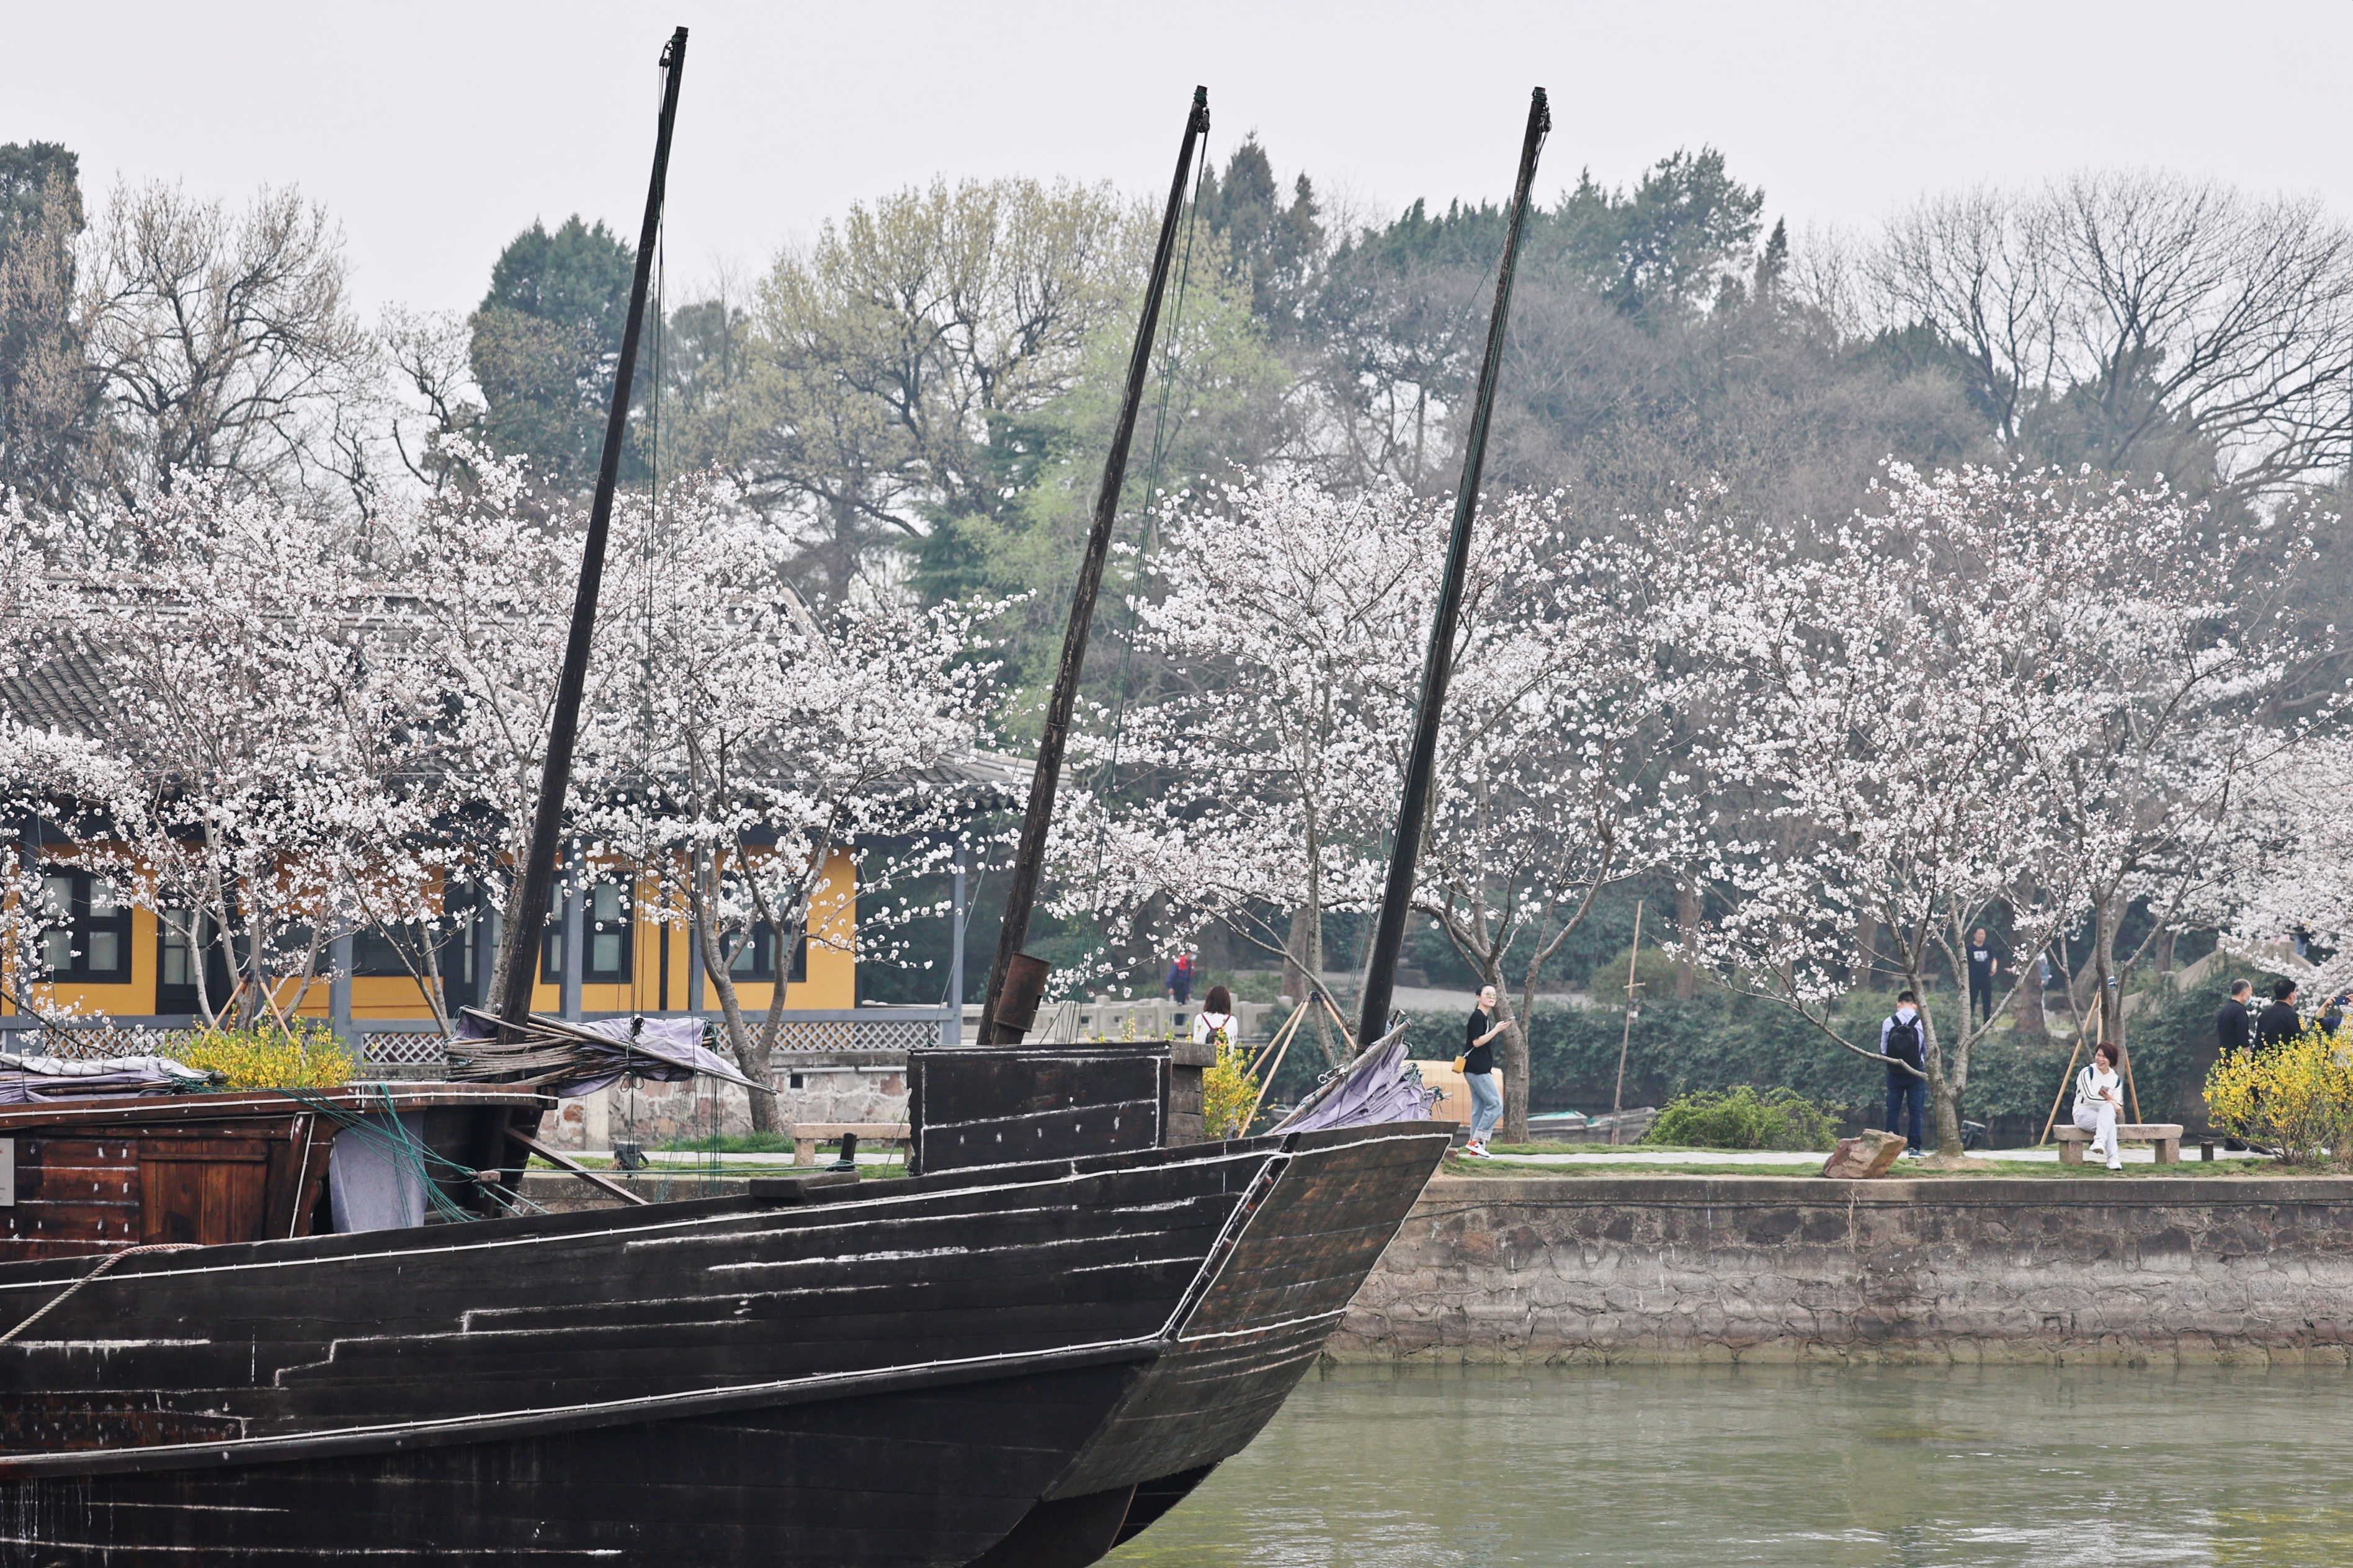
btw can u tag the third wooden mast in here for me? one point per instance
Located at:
(1438, 663)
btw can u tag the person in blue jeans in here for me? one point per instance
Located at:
(1479, 1072)
(1903, 1038)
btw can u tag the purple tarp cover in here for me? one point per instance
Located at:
(664, 1050)
(1375, 1089)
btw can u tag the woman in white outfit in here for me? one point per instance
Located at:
(1214, 1024)
(2099, 1101)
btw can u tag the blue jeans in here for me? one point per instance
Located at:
(1901, 1088)
(1486, 1104)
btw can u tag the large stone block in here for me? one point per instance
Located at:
(1864, 1156)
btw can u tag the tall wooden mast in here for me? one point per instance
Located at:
(1436, 665)
(1006, 1016)
(526, 910)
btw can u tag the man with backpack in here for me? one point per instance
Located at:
(1903, 1039)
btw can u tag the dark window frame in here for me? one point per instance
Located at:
(81, 926)
(761, 970)
(550, 946)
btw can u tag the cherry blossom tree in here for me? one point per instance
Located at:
(1991, 694)
(487, 573)
(1273, 773)
(257, 699)
(1256, 791)
(772, 741)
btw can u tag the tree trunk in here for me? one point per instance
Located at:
(1686, 919)
(2025, 1005)
(750, 1061)
(764, 1106)
(2109, 995)
(1944, 1100)
(1294, 957)
(1513, 1042)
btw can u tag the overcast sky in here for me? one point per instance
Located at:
(434, 131)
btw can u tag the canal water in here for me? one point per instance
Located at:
(1794, 1468)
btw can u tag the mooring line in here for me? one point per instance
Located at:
(105, 1263)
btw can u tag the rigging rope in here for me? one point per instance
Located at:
(387, 1128)
(105, 1263)
(1108, 776)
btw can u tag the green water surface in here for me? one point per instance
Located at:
(1797, 1467)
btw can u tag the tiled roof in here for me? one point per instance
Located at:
(63, 692)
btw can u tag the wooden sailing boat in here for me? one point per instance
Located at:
(1004, 1363)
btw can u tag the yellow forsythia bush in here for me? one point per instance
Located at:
(267, 1056)
(1229, 1090)
(2295, 1099)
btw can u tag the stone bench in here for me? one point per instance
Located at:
(807, 1135)
(2165, 1135)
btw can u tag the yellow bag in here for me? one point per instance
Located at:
(1459, 1061)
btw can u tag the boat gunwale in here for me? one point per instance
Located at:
(530, 1230)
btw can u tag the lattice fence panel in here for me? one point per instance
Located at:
(406, 1050)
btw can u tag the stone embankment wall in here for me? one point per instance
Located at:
(658, 1113)
(1686, 1268)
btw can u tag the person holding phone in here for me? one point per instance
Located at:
(2099, 1102)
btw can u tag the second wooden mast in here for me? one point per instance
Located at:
(1017, 980)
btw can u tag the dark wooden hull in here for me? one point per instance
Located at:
(905, 1372)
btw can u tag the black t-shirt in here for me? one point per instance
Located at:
(2279, 1024)
(2234, 1029)
(1478, 1058)
(1983, 956)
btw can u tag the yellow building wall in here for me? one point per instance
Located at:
(832, 980)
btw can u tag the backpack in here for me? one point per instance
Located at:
(1903, 1042)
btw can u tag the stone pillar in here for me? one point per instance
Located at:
(574, 937)
(951, 1027)
(487, 932)
(339, 992)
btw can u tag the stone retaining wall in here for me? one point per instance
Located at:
(1691, 1269)
(657, 1114)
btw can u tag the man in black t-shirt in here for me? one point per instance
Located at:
(2234, 1026)
(1984, 962)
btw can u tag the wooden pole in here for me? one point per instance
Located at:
(1626, 1035)
(1438, 662)
(1278, 1046)
(2068, 1078)
(526, 911)
(1028, 859)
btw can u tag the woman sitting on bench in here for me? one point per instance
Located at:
(2098, 1103)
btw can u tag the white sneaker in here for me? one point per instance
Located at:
(2116, 1165)
(1476, 1151)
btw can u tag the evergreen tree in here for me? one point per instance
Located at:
(48, 397)
(1273, 249)
(546, 339)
